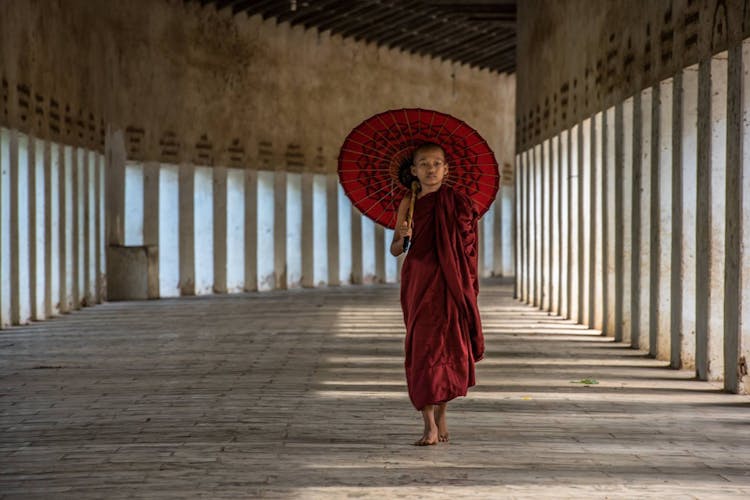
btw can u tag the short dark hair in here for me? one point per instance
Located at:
(426, 146)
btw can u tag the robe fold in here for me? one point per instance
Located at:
(439, 288)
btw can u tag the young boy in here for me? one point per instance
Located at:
(439, 289)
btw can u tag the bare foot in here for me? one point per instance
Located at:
(442, 423)
(430, 434)
(428, 438)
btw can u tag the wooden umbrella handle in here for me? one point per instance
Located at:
(414, 188)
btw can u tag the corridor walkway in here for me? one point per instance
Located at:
(301, 394)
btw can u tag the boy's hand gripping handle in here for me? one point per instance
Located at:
(414, 188)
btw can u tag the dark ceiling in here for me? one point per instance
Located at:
(478, 33)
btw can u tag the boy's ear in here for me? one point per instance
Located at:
(412, 168)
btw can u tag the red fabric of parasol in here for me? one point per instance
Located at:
(380, 147)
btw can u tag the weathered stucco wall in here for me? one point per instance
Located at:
(576, 57)
(190, 84)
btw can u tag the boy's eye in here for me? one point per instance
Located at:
(436, 163)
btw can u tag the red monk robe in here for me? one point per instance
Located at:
(439, 288)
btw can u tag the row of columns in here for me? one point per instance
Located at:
(636, 221)
(64, 210)
(224, 230)
(52, 256)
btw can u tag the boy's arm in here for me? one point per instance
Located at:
(401, 229)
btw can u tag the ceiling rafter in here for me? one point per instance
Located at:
(478, 33)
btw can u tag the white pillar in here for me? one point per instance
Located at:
(19, 229)
(81, 205)
(523, 230)
(646, 194)
(545, 219)
(518, 221)
(169, 231)
(90, 235)
(204, 230)
(610, 238)
(735, 366)
(717, 225)
(320, 230)
(576, 230)
(67, 234)
(36, 228)
(5, 234)
(536, 233)
(293, 229)
(689, 152)
(596, 285)
(565, 214)
(266, 237)
(565, 219)
(588, 217)
(662, 348)
(743, 345)
(99, 229)
(626, 218)
(51, 234)
(554, 221)
(235, 228)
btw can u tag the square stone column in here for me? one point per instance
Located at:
(598, 277)
(646, 194)
(662, 217)
(688, 206)
(536, 226)
(564, 233)
(36, 227)
(587, 221)
(737, 243)
(554, 225)
(623, 222)
(609, 182)
(576, 226)
(545, 222)
(5, 231)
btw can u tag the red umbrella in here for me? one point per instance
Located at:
(380, 148)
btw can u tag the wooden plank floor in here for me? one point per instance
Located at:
(301, 394)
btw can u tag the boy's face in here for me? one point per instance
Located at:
(430, 167)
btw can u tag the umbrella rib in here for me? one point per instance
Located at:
(350, 139)
(457, 183)
(372, 138)
(376, 183)
(368, 170)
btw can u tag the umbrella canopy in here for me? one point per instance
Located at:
(375, 156)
